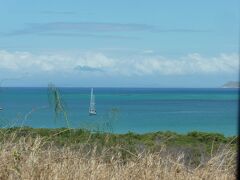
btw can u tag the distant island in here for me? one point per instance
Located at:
(231, 84)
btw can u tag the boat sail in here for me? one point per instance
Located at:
(92, 109)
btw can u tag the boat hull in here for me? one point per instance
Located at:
(92, 113)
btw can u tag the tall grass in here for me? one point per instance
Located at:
(55, 100)
(35, 158)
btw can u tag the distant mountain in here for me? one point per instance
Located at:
(231, 84)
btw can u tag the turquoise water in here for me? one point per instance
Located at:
(126, 109)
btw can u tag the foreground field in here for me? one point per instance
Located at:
(78, 154)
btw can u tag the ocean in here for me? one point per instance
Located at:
(121, 110)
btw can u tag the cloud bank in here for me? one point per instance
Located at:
(102, 64)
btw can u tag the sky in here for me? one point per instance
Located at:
(108, 43)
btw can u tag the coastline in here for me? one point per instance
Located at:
(67, 136)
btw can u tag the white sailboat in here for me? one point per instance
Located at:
(92, 109)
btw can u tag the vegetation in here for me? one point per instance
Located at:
(66, 136)
(27, 153)
(55, 100)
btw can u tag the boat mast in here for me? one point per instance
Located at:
(91, 100)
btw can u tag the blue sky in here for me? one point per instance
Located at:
(119, 43)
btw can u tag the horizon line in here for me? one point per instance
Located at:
(121, 87)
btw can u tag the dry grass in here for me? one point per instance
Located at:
(34, 159)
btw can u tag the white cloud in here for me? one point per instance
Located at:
(133, 66)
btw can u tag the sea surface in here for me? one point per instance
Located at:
(121, 110)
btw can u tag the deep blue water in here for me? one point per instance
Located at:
(135, 109)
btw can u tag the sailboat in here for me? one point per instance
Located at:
(92, 109)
